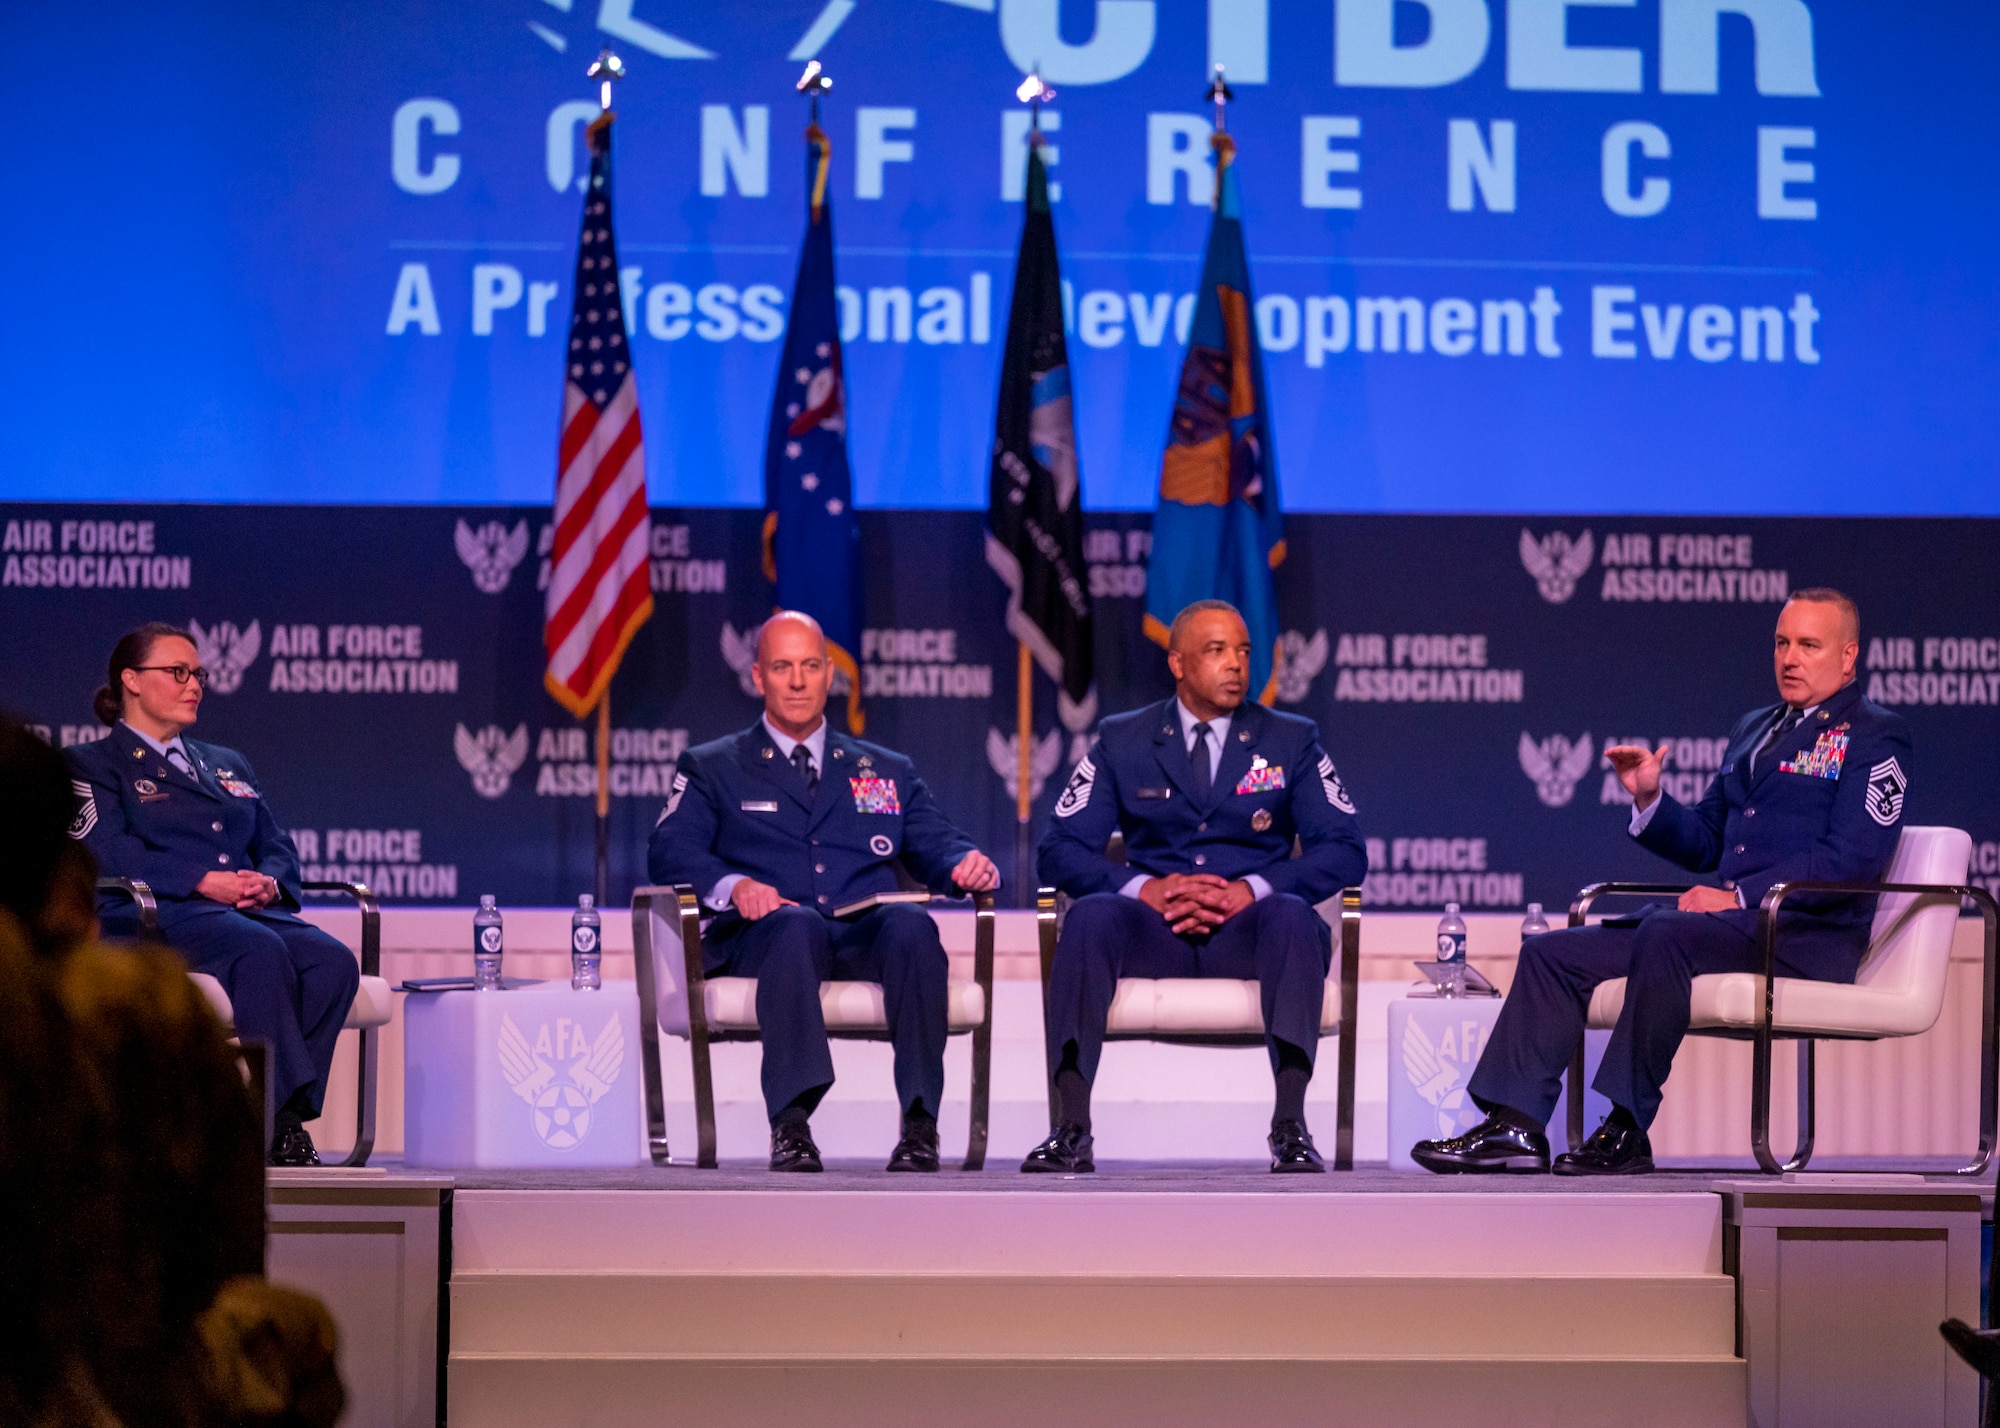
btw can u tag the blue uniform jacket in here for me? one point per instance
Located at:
(143, 818)
(737, 806)
(1825, 802)
(1273, 782)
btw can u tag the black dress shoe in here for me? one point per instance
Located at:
(1978, 1347)
(292, 1146)
(1065, 1152)
(1612, 1149)
(792, 1148)
(918, 1149)
(1492, 1147)
(1292, 1151)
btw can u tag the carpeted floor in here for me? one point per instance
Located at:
(1199, 1177)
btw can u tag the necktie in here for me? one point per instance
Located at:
(802, 760)
(180, 761)
(1783, 727)
(1204, 773)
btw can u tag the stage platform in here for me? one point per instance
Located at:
(1147, 1294)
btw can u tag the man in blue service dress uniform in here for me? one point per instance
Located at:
(780, 826)
(1810, 788)
(189, 820)
(1209, 792)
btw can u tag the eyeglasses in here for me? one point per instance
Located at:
(181, 673)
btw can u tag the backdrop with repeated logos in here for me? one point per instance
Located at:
(381, 669)
(1534, 256)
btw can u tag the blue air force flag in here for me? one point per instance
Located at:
(812, 542)
(1218, 532)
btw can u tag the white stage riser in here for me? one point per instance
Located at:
(534, 1392)
(1154, 1310)
(1916, 1096)
(1478, 1231)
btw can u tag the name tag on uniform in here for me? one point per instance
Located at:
(148, 791)
(1262, 778)
(875, 795)
(1152, 793)
(1823, 760)
(759, 806)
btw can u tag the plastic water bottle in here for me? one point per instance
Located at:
(586, 951)
(1451, 951)
(486, 946)
(1534, 924)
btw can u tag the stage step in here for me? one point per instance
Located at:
(1172, 1393)
(952, 1316)
(1148, 1309)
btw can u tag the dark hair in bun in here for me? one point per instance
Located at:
(132, 651)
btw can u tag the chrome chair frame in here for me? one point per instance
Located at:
(1050, 909)
(1764, 1034)
(368, 1072)
(701, 1036)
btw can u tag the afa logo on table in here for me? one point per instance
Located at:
(1439, 1070)
(561, 1076)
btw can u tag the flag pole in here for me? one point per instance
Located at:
(1034, 93)
(1024, 719)
(604, 797)
(606, 70)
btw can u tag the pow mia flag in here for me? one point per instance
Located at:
(1034, 539)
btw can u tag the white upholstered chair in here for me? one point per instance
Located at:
(1220, 1011)
(1899, 990)
(374, 1003)
(685, 1001)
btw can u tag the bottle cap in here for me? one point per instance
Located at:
(1451, 909)
(1535, 907)
(486, 899)
(587, 900)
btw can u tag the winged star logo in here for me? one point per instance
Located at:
(491, 552)
(1299, 662)
(561, 1077)
(226, 652)
(1044, 758)
(1556, 562)
(491, 756)
(1438, 1071)
(1555, 764)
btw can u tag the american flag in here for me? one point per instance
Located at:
(600, 588)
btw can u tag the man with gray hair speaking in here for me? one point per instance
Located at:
(1811, 787)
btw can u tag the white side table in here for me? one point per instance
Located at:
(535, 1076)
(1434, 1042)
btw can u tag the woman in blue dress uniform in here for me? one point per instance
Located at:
(189, 821)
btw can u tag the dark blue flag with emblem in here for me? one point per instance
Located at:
(1034, 540)
(1218, 533)
(812, 543)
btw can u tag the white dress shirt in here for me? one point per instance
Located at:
(815, 742)
(1218, 740)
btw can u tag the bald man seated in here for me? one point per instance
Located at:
(779, 826)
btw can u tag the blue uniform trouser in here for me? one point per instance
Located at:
(791, 951)
(1279, 940)
(1542, 1019)
(291, 986)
